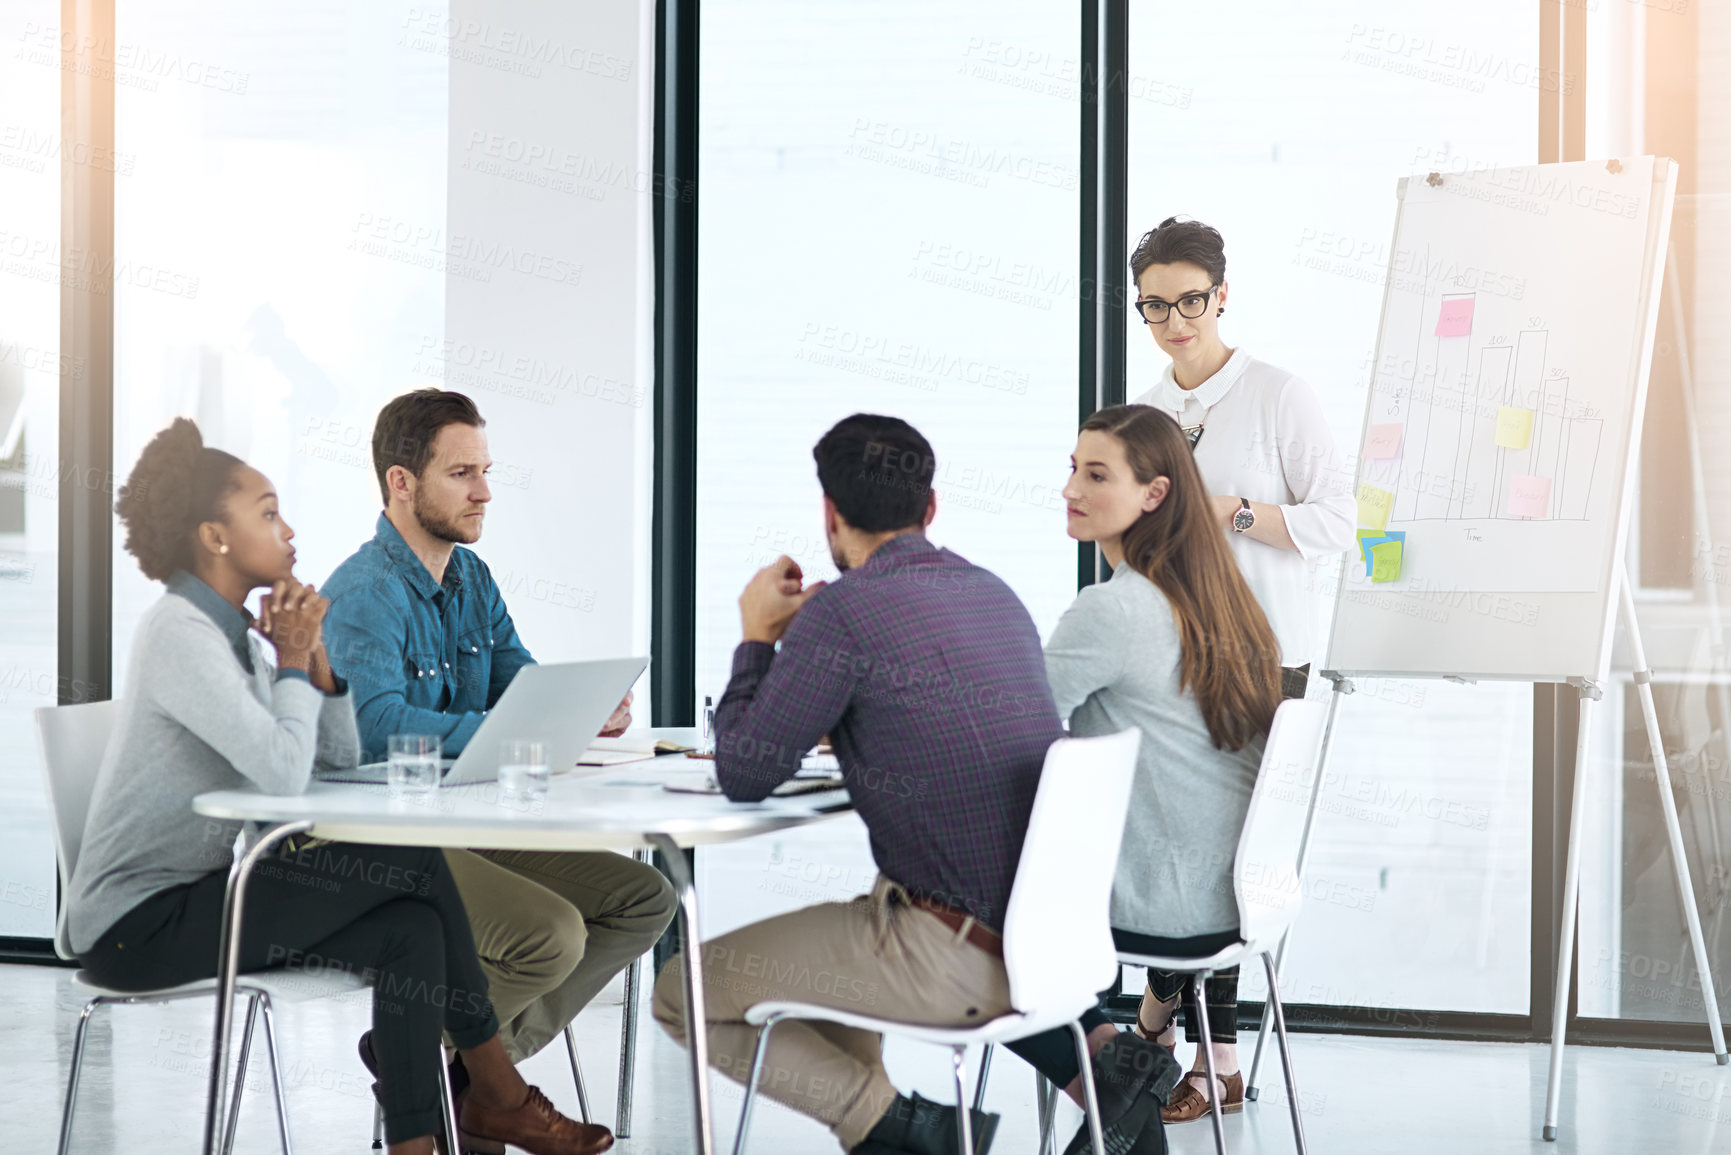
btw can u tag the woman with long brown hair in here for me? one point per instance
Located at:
(1176, 646)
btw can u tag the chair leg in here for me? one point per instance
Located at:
(378, 1127)
(1046, 1103)
(1090, 1099)
(980, 1086)
(1196, 984)
(1285, 1052)
(78, 1041)
(240, 1074)
(751, 1083)
(628, 1049)
(276, 1074)
(577, 1073)
(964, 1118)
(448, 1105)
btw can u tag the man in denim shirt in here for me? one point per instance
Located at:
(418, 627)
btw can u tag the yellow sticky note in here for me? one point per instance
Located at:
(1514, 427)
(1373, 506)
(1385, 561)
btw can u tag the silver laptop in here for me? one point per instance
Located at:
(563, 704)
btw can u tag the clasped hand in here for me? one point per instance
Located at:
(292, 616)
(774, 595)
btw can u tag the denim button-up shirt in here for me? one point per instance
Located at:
(421, 657)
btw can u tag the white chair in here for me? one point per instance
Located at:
(1265, 883)
(73, 740)
(1057, 939)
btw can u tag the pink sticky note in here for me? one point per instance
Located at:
(1383, 441)
(1456, 318)
(1528, 496)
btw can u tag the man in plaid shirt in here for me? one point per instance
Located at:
(927, 673)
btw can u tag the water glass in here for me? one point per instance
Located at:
(523, 769)
(412, 769)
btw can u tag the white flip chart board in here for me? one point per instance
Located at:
(1496, 465)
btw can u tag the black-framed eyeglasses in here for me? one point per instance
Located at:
(1190, 306)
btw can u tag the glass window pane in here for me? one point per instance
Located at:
(889, 224)
(1659, 89)
(1287, 129)
(32, 372)
(271, 314)
(349, 201)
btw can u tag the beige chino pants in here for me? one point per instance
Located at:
(553, 928)
(872, 955)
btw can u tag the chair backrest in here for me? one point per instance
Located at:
(1265, 870)
(73, 739)
(1057, 933)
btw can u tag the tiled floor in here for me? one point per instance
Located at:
(1360, 1095)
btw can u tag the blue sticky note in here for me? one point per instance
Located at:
(1368, 538)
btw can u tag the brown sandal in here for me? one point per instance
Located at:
(1188, 1103)
(1171, 1026)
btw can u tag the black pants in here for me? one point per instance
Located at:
(390, 915)
(1053, 1053)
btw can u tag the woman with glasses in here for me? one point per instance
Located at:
(1282, 496)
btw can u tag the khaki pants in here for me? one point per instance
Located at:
(552, 929)
(872, 955)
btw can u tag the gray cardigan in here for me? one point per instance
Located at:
(195, 719)
(1113, 665)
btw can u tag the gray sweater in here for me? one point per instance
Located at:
(1113, 665)
(196, 719)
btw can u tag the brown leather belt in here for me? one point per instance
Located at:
(979, 934)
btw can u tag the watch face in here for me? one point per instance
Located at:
(1242, 520)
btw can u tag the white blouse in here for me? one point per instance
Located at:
(1264, 437)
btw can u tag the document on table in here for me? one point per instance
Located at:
(616, 751)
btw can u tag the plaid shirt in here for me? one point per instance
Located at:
(927, 673)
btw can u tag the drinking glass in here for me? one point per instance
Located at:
(413, 766)
(523, 769)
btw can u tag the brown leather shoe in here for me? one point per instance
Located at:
(536, 1126)
(1189, 1103)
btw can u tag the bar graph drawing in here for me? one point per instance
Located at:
(1456, 468)
(1506, 390)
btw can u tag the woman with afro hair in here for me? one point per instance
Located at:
(208, 709)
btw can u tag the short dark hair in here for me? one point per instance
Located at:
(407, 426)
(178, 484)
(878, 471)
(1172, 241)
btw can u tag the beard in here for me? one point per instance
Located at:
(836, 556)
(444, 528)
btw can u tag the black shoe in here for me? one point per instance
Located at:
(1128, 1068)
(364, 1045)
(919, 1126)
(459, 1076)
(1137, 1131)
